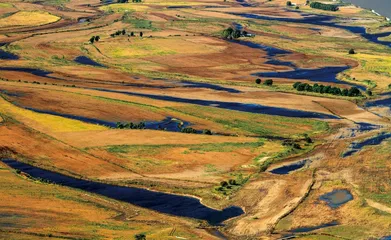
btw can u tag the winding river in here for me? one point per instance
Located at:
(172, 204)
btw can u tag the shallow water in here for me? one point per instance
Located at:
(244, 107)
(168, 124)
(189, 84)
(7, 55)
(172, 204)
(324, 20)
(357, 146)
(337, 198)
(325, 74)
(178, 7)
(286, 169)
(87, 61)
(310, 229)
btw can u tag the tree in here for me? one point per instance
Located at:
(351, 51)
(258, 81)
(369, 92)
(123, 32)
(97, 38)
(92, 39)
(132, 34)
(268, 82)
(354, 92)
(296, 84)
(141, 34)
(140, 236)
(289, 3)
(227, 33)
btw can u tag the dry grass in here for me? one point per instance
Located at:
(27, 18)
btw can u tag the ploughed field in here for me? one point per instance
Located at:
(193, 120)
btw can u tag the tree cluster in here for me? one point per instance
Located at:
(323, 6)
(126, 1)
(188, 130)
(119, 32)
(352, 92)
(130, 125)
(94, 39)
(231, 33)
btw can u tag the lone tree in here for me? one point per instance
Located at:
(258, 81)
(92, 39)
(351, 51)
(268, 82)
(140, 236)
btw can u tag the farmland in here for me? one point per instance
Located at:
(180, 120)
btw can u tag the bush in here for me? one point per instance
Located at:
(188, 130)
(351, 51)
(223, 184)
(323, 6)
(232, 182)
(258, 81)
(268, 82)
(140, 236)
(289, 3)
(207, 132)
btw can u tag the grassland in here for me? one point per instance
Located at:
(181, 54)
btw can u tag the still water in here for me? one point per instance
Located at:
(381, 6)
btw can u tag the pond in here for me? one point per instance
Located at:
(286, 169)
(337, 198)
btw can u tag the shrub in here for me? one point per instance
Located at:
(351, 51)
(207, 132)
(188, 130)
(289, 3)
(140, 236)
(258, 81)
(224, 184)
(232, 182)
